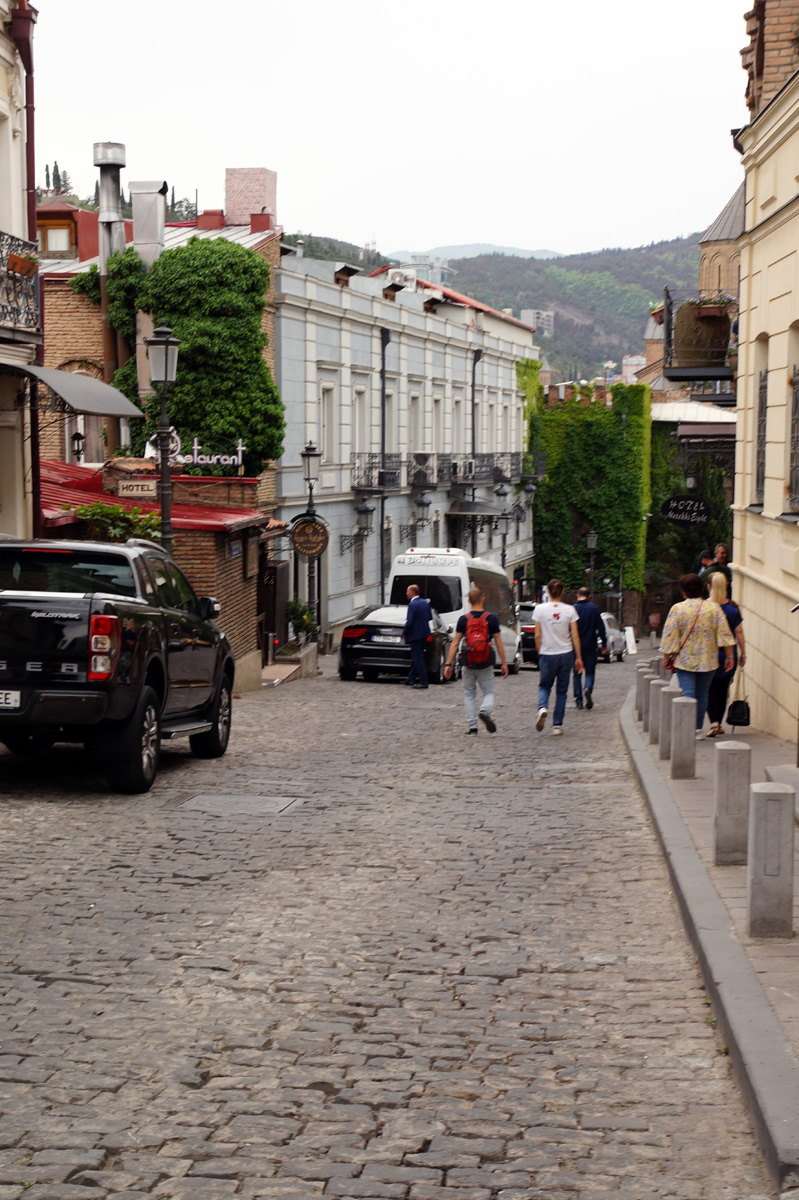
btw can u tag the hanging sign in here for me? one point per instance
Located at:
(309, 538)
(687, 510)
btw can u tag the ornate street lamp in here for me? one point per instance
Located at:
(311, 460)
(162, 351)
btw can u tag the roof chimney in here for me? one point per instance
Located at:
(149, 213)
(249, 190)
(212, 218)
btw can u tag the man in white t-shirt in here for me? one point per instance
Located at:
(558, 644)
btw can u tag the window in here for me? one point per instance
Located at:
(443, 591)
(327, 424)
(415, 423)
(391, 423)
(65, 571)
(187, 600)
(457, 424)
(91, 449)
(760, 447)
(57, 241)
(357, 562)
(165, 589)
(387, 547)
(438, 427)
(360, 421)
(436, 531)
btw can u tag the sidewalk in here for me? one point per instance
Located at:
(753, 982)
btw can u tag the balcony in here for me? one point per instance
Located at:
(20, 318)
(502, 467)
(376, 472)
(697, 340)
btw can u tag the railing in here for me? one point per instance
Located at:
(19, 294)
(696, 338)
(373, 472)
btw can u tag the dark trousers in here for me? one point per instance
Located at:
(717, 697)
(418, 671)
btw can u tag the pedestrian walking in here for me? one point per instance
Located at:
(557, 640)
(695, 629)
(479, 631)
(591, 629)
(720, 683)
(719, 563)
(416, 633)
(706, 559)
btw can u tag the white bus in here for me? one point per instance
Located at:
(444, 576)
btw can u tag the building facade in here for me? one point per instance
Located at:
(411, 394)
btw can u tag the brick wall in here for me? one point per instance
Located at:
(772, 55)
(204, 558)
(73, 339)
(249, 190)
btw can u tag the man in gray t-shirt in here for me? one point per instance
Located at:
(557, 641)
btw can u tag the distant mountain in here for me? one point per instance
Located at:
(601, 300)
(473, 250)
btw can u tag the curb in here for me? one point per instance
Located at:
(762, 1058)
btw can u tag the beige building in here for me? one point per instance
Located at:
(766, 549)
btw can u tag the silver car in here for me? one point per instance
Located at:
(616, 644)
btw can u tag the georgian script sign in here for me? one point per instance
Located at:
(309, 538)
(687, 510)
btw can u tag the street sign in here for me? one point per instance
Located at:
(687, 510)
(138, 489)
(309, 538)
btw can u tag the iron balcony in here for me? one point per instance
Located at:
(20, 316)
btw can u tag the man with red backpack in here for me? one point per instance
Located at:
(479, 631)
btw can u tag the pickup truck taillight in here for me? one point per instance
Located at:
(105, 639)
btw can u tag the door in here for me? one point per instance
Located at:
(204, 642)
(180, 639)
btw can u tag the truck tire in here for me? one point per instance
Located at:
(137, 753)
(214, 743)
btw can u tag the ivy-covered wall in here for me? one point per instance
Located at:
(597, 477)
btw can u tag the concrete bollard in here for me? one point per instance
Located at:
(648, 677)
(656, 689)
(653, 639)
(731, 813)
(769, 870)
(642, 670)
(683, 738)
(664, 739)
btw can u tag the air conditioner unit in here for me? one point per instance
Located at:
(401, 278)
(423, 470)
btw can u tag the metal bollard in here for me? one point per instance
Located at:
(664, 750)
(731, 813)
(769, 870)
(648, 677)
(656, 689)
(683, 738)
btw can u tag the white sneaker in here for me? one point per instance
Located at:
(557, 731)
(542, 719)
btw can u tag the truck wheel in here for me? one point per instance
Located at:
(213, 744)
(28, 743)
(139, 748)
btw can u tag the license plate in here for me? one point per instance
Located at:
(387, 640)
(9, 699)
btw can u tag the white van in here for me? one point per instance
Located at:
(444, 576)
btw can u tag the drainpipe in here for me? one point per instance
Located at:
(23, 20)
(385, 338)
(478, 354)
(110, 158)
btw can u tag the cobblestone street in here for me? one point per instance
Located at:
(362, 955)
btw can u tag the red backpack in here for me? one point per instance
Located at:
(478, 640)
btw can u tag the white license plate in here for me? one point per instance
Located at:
(9, 699)
(386, 640)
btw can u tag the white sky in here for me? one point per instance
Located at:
(562, 124)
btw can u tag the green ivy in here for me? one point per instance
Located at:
(113, 523)
(673, 548)
(598, 477)
(88, 284)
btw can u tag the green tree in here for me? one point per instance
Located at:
(65, 187)
(47, 177)
(56, 177)
(97, 193)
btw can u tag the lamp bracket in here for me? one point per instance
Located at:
(348, 540)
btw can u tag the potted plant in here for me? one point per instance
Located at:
(707, 307)
(300, 619)
(656, 312)
(22, 264)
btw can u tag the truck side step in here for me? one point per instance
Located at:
(187, 730)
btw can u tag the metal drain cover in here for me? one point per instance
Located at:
(222, 805)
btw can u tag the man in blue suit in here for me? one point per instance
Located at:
(591, 629)
(416, 633)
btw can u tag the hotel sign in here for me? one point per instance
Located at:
(138, 489)
(687, 510)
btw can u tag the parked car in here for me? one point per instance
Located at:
(108, 645)
(373, 644)
(616, 645)
(527, 625)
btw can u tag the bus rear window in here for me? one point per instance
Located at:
(443, 591)
(65, 571)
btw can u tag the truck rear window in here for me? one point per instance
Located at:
(65, 571)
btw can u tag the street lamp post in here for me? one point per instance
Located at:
(162, 351)
(590, 541)
(311, 460)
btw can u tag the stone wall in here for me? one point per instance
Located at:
(772, 55)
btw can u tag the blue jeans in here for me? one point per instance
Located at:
(695, 685)
(418, 670)
(552, 668)
(590, 673)
(471, 677)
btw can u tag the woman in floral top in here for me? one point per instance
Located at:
(693, 633)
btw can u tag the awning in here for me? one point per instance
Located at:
(473, 508)
(82, 393)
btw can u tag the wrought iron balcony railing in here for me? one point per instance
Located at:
(501, 467)
(373, 472)
(19, 294)
(698, 338)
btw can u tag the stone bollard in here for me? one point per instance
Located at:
(664, 739)
(648, 677)
(683, 738)
(731, 816)
(653, 639)
(642, 670)
(769, 871)
(656, 689)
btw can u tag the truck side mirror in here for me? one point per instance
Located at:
(209, 608)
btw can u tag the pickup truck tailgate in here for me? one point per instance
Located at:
(43, 639)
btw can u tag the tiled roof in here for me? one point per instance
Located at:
(174, 235)
(729, 224)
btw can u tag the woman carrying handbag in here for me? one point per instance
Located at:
(695, 629)
(720, 683)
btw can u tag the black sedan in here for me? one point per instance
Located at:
(373, 644)
(527, 626)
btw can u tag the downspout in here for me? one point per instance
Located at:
(385, 338)
(478, 354)
(110, 158)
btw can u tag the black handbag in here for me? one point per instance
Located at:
(738, 712)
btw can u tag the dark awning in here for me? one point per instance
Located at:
(473, 508)
(82, 393)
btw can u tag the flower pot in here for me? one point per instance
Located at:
(700, 341)
(657, 315)
(710, 310)
(18, 265)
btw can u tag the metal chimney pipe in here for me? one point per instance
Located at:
(110, 158)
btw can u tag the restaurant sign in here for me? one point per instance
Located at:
(309, 537)
(687, 510)
(196, 458)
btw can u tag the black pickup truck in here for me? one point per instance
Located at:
(108, 645)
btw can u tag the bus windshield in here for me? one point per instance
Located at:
(443, 591)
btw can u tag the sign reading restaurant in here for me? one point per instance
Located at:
(688, 510)
(197, 458)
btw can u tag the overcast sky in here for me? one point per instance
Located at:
(571, 126)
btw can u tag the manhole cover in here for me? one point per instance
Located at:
(214, 802)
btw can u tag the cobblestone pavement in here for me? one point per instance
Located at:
(361, 956)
